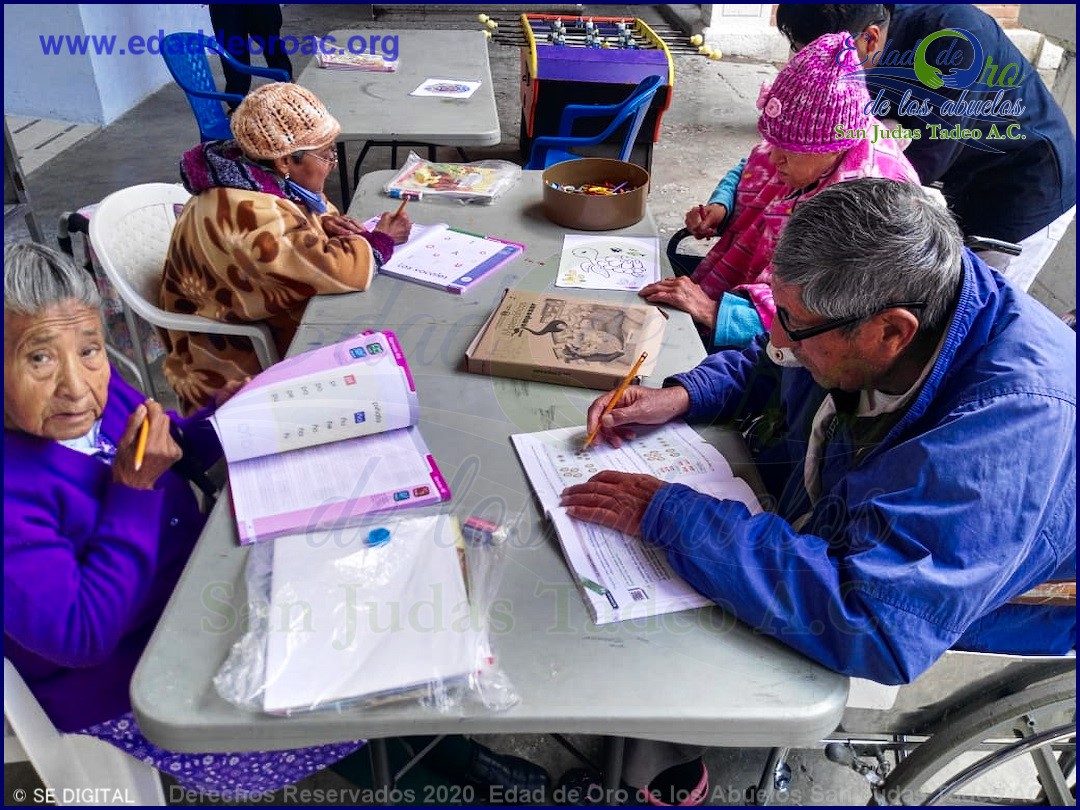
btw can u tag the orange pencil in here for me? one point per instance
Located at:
(615, 399)
(400, 208)
(140, 446)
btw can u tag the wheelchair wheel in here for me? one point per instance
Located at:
(1037, 723)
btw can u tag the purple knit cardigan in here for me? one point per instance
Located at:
(90, 564)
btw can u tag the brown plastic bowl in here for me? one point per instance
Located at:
(588, 212)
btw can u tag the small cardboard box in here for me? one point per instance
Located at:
(566, 340)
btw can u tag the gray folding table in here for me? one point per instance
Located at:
(697, 677)
(376, 108)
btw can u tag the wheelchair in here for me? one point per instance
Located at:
(943, 738)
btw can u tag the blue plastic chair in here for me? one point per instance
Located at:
(185, 56)
(547, 150)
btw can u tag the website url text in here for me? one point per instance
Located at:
(136, 45)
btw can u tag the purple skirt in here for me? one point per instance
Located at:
(229, 777)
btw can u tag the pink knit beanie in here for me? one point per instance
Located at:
(818, 90)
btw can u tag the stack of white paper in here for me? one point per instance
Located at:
(353, 621)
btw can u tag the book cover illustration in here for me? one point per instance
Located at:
(574, 341)
(580, 333)
(446, 177)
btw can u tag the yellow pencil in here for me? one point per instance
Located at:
(140, 446)
(400, 208)
(615, 399)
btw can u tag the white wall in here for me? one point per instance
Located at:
(46, 86)
(91, 88)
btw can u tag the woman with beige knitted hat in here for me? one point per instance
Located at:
(259, 238)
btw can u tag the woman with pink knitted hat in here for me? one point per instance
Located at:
(259, 238)
(816, 132)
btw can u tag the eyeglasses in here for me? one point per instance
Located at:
(332, 159)
(795, 335)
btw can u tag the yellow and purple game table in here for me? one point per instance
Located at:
(590, 60)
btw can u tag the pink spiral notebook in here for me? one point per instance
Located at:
(321, 439)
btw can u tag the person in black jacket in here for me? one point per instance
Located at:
(1017, 187)
(236, 25)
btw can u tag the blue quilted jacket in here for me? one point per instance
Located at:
(916, 546)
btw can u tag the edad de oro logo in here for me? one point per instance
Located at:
(989, 93)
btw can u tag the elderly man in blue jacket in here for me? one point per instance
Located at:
(920, 447)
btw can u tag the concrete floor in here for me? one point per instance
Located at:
(711, 124)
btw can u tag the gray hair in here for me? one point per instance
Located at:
(37, 277)
(858, 247)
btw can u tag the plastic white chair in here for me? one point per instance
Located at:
(77, 769)
(130, 232)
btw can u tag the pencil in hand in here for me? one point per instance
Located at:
(404, 196)
(614, 400)
(140, 446)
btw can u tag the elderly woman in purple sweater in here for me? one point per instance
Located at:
(93, 543)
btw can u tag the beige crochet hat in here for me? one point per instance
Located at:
(277, 119)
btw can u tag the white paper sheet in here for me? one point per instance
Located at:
(349, 620)
(608, 262)
(446, 88)
(619, 576)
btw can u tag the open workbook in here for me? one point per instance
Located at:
(327, 436)
(621, 577)
(447, 258)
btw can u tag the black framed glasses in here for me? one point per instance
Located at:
(795, 335)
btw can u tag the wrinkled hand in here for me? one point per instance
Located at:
(161, 451)
(686, 294)
(343, 226)
(225, 393)
(709, 225)
(396, 226)
(637, 406)
(617, 500)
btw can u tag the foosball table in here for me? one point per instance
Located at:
(590, 60)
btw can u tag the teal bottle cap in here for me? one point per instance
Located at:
(376, 537)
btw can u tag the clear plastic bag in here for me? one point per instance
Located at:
(370, 614)
(482, 181)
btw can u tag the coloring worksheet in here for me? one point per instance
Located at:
(608, 262)
(446, 88)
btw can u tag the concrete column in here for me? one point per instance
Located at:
(744, 29)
